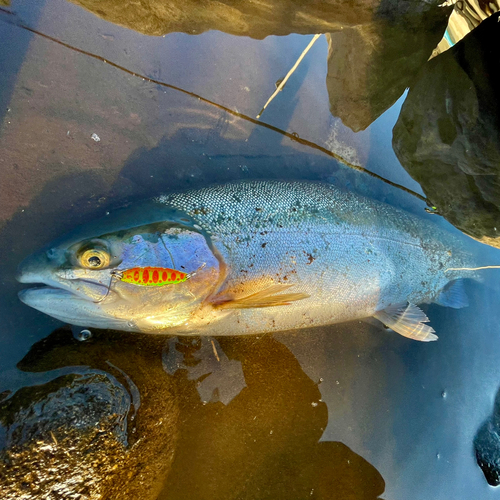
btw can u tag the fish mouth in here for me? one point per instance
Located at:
(42, 295)
(30, 295)
(69, 307)
(78, 288)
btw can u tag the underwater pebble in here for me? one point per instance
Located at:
(95, 137)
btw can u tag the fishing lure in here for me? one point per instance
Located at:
(149, 276)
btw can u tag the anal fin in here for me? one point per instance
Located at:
(407, 320)
(453, 295)
(265, 298)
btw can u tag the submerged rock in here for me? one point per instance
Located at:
(266, 442)
(487, 446)
(107, 429)
(109, 424)
(448, 133)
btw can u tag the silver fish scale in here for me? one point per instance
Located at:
(228, 208)
(352, 255)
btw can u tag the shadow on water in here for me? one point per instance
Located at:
(131, 427)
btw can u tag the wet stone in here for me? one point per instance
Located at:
(487, 450)
(65, 424)
(487, 446)
(84, 435)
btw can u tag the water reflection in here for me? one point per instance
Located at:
(263, 443)
(257, 20)
(375, 48)
(369, 66)
(448, 133)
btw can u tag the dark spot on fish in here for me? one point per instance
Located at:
(310, 258)
(182, 267)
(243, 271)
(294, 209)
(264, 245)
(263, 233)
(202, 210)
(258, 209)
(285, 278)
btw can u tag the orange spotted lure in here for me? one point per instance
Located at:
(152, 276)
(149, 276)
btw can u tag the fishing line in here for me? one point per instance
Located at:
(471, 268)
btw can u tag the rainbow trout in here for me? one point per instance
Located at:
(249, 257)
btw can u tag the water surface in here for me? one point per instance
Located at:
(347, 411)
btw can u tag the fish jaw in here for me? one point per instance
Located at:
(70, 308)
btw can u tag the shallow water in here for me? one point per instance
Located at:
(347, 411)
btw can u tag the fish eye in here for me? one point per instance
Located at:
(94, 259)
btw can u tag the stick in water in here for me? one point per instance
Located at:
(289, 74)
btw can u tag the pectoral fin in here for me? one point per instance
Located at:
(407, 320)
(265, 298)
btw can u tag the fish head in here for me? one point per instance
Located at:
(82, 275)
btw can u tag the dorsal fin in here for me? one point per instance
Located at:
(407, 320)
(264, 298)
